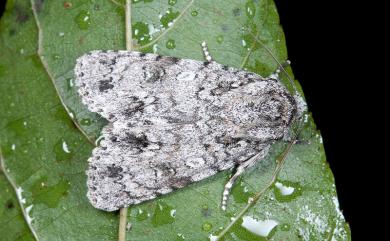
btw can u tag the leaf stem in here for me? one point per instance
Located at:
(3, 169)
(122, 224)
(129, 37)
(45, 64)
(129, 45)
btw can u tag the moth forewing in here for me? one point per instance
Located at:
(174, 122)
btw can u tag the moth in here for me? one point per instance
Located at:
(173, 122)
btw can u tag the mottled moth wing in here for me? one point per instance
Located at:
(173, 122)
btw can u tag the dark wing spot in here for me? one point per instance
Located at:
(176, 183)
(138, 141)
(114, 171)
(135, 105)
(173, 60)
(105, 85)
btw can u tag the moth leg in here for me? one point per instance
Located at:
(206, 52)
(240, 169)
(275, 75)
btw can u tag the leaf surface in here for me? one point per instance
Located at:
(47, 135)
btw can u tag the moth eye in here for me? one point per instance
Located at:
(152, 73)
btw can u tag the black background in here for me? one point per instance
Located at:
(321, 45)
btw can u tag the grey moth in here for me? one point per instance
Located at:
(173, 122)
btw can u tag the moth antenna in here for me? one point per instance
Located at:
(281, 66)
(206, 52)
(240, 170)
(275, 74)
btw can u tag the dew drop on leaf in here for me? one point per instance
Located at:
(85, 122)
(219, 39)
(285, 227)
(141, 215)
(83, 20)
(207, 226)
(168, 18)
(141, 33)
(56, 56)
(163, 214)
(172, 2)
(286, 191)
(50, 195)
(240, 192)
(171, 44)
(70, 83)
(250, 9)
(62, 150)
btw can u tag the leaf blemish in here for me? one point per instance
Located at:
(21, 14)
(10, 204)
(38, 5)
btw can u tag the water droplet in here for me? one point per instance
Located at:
(155, 48)
(206, 211)
(285, 227)
(212, 237)
(18, 127)
(56, 56)
(142, 215)
(243, 42)
(170, 44)
(180, 237)
(49, 195)
(168, 18)
(163, 214)
(172, 2)
(258, 227)
(62, 150)
(86, 122)
(141, 33)
(65, 147)
(194, 13)
(83, 19)
(219, 39)
(29, 219)
(286, 191)
(70, 83)
(71, 113)
(207, 227)
(19, 192)
(240, 192)
(250, 9)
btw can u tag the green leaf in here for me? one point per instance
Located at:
(47, 135)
